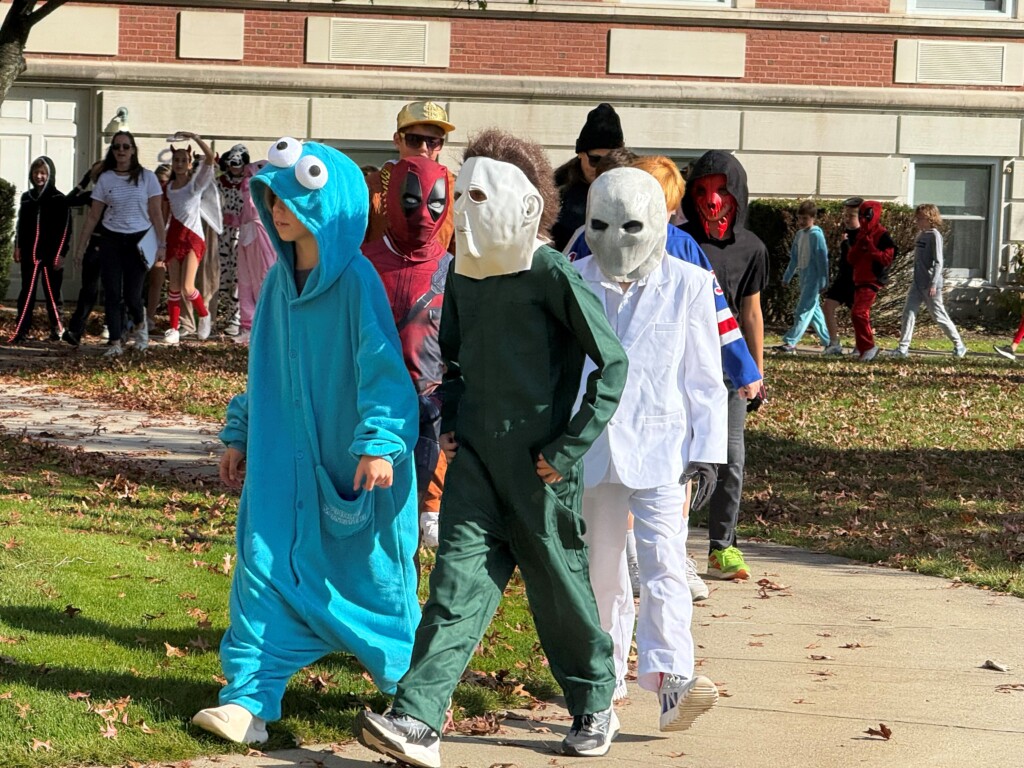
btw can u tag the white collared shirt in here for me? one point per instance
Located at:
(620, 303)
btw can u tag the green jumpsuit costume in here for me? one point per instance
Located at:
(514, 347)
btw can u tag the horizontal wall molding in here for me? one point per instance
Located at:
(662, 15)
(399, 84)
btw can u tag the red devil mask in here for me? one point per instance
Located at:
(715, 204)
(417, 207)
(870, 216)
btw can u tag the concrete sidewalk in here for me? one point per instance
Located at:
(805, 670)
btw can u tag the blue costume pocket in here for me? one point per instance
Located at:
(341, 517)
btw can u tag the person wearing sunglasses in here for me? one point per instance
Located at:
(127, 199)
(421, 131)
(600, 135)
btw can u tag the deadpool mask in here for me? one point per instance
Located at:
(417, 205)
(870, 215)
(715, 204)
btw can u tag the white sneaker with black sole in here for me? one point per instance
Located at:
(399, 737)
(591, 735)
(683, 701)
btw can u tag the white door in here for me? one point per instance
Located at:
(43, 121)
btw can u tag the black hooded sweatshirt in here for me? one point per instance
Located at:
(44, 221)
(741, 260)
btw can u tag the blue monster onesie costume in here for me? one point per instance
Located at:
(320, 568)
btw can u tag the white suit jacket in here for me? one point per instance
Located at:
(673, 408)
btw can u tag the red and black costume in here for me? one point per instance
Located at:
(43, 240)
(870, 255)
(413, 265)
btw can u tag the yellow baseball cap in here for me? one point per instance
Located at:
(424, 113)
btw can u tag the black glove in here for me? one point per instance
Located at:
(706, 476)
(755, 402)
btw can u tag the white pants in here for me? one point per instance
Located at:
(664, 642)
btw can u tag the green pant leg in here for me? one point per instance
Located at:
(548, 545)
(474, 564)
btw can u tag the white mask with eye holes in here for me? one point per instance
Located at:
(627, 223)
(497, 214)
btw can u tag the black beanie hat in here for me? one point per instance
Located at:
(601, 131)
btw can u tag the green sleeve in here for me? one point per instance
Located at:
(575, 305)
(449, 338)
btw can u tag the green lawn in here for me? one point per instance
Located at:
(113, 599)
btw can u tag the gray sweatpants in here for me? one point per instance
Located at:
(915, 297)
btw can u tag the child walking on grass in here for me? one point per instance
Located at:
(927, 285)
(808, 258)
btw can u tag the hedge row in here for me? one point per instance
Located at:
(774, 221)
(6, 234)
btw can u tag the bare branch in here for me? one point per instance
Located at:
(38, 15)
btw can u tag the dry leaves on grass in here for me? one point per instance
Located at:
(172, 652)
(882, 731)
(481, 725)
(46, 746)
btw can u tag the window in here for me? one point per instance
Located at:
(979, 7)
(963, 194)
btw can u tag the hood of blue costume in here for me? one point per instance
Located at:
(326, 192)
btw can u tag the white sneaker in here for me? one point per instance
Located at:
(105, 333)
(1006, 352)
(698, 589)
(232, 329)
(960, 352)
(682, 701)
(833, 349)
(868, 355)
(233, 723)
(171, 336)
(114, 350)
(241, 338)
(203, 326)
(428, 529)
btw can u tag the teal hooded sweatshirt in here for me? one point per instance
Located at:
(320, 568)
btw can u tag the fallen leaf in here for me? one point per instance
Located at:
(995, 665)
(72, 611)
(226, 564)
(1009, 687)
(6, 695)
(676, 754)
(78, 695)
(44, 745)
(819, 657)
(852, 645)
(109, 732)
(173, 652)
(883, 731)
(23, 710)
(254, 753)
(802, 701)
(200, 643)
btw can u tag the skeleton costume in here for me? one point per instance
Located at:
(43, 236)
(321, 568)
(232, 201)
(517, 326)
(672, 413)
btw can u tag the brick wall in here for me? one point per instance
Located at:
(536, 48)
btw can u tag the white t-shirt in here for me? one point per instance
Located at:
(186, 201)
(127, 204)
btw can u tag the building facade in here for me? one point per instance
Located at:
(906, 100)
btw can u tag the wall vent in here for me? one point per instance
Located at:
(960, 63)
(401, 43)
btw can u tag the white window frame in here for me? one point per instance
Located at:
(990, 260)
(685, 3)
(1007, 12)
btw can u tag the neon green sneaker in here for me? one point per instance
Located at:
(728, 564)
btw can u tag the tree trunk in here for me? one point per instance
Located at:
(20, 19)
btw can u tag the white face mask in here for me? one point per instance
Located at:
(627, 223)
(497, 214)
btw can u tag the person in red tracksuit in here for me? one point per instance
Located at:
(870, 255)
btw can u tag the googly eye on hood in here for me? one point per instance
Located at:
(328, 195)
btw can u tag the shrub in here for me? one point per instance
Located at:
(774, 221)
(6, 234)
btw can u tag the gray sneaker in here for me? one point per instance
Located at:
(591, 735)
(1006, 352)
(399, 737)
(683, 701)
(698, 589)
(833, 349)
(895, 353)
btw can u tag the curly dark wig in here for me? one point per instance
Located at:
(527, 156)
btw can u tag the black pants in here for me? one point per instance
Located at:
(123, 273)
(90, 289)
(35, 279)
